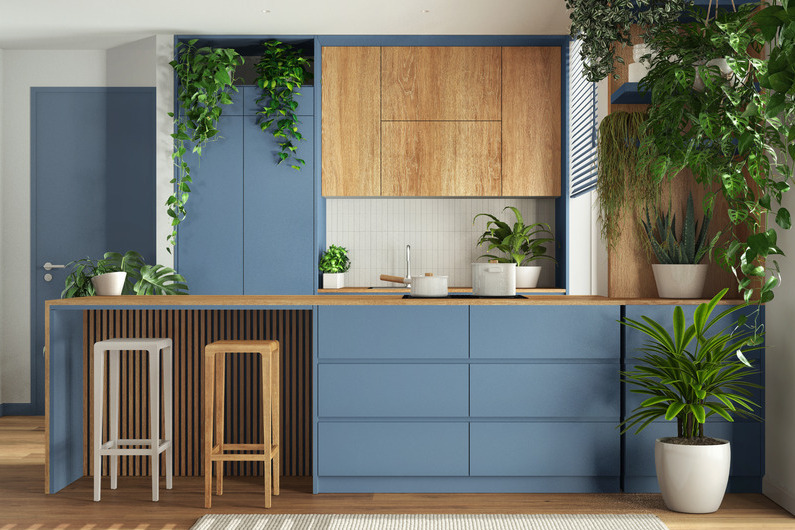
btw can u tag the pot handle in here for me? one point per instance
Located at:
(389, 278)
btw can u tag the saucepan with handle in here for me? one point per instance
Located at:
(427, 286)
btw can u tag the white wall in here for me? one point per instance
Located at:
(23, 69)
(164, 81)
(132, 64)
(1, 224)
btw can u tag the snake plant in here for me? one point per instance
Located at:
(689, 248)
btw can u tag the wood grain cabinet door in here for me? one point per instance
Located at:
(440, 83)
(531, 121)
(351, 122)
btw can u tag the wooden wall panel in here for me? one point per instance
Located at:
(441, 158)
(190, 330)
(440, 83)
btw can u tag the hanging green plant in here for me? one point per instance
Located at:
(206, 78)
(280, 73)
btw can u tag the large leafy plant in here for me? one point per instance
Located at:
(206, 78)
(689, 248)
(141, 278)
(334, 260)
(695, 372)
(518, 243)
(280, 73)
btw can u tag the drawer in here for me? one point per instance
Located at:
(392, 390)
(393, 332)
(399, 449)
(544, 449)
(571, 390)
(550, 332)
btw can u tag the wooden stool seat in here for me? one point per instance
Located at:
(216, 451)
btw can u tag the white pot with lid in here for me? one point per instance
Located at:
(494, 279)
(429, 286)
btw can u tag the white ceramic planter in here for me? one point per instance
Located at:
(109, 284)
(638, 70)
(692, 478)
(680, 281)
(333, 280)
(527, 277)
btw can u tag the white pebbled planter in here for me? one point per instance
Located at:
(680, 281)
(692, 478)
(333, 280)
(527, 277)
(109, 284)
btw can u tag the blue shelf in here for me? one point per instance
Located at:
(630, 94)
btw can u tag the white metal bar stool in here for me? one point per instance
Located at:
(116, 446)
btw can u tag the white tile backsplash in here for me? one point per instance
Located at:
(440, 232)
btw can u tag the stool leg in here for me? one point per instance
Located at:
(220, 386)
(266, 423)
(99, 373)
(276, 416)
(114, 358)
(208, 427)
(154, 419)
(168, 405)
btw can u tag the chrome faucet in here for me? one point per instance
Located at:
(408, 262)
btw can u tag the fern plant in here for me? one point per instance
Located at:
(519, 243)
(689, 248)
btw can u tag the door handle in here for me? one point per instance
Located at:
(49, 266)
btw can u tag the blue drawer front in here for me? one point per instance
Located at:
(392, 390)
(393, 332)
(306, 103)
(393, 449)
(546, 390)
(544, 449)
(549, 332)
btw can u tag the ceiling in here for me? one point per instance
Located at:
(102, 24)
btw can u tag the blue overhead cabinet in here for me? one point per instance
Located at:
(249, 228)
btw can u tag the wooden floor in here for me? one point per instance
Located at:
(24, 505)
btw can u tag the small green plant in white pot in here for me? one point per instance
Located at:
(334, 263)
(518, 243)
(116, 274)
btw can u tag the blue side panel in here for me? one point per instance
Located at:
(466, 484)
(209, 249)
(552, 332)
(393, 332)
(393, 390)
(278, 252)
(393, 449)
(544, 449)
(66, 398)
(546, 391)
(130, 177)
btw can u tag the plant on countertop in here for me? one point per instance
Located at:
(334, 260)
(519, 243)
(697, 372)
(205, 80)
(280, 73)
(689, 248)
(141, 278)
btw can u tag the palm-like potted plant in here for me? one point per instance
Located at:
(698, 371)
(519, 243)
(334, 263)
(679, 273)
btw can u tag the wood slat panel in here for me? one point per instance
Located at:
(191, 330)
(441, 158)
(440, 83)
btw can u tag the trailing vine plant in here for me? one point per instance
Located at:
(280, 73)
(206, 78)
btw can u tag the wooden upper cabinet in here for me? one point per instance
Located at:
(440, 158)
(351, 121)
(440, 83)
(531, 121)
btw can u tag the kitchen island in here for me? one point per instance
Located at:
(399, 394)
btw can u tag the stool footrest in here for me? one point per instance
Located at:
(114, 447)
(218, 453)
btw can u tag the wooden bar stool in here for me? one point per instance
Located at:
(116, 446)
(214, 391)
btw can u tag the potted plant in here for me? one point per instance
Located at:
(117, 274)
(688, 376)
(334, 263)
(679, 273)
(519, 244)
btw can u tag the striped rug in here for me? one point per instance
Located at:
(429, 522)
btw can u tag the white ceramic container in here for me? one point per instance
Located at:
(527, 276)
(494, 279)
(333, 280)
(109, 284)
(680, 281)
(692, 478)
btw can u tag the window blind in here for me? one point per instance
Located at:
(582, 126)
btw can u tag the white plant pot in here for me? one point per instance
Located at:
(638, 69)
(333, 280)
(109, 284)
(527, 277)
(692, 478)
(680, 281)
